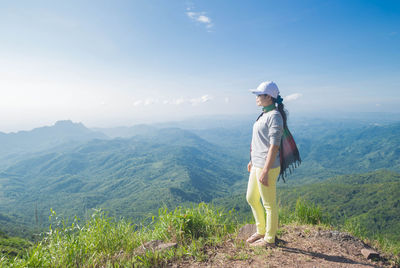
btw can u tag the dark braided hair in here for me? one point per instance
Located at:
(282, 110)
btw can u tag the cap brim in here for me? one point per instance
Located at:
(255, 91)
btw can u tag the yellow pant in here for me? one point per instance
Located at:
(255, 190)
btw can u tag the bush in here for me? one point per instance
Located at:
(185, 224)
(308, 213)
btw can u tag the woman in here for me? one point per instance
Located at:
(264, 165)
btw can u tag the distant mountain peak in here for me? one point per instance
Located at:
(46, 137)
(67, 123)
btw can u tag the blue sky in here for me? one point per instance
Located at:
(109, 63)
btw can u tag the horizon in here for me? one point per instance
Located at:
(370, 117)
(124, 63)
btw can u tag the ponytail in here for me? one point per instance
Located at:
(281, 109)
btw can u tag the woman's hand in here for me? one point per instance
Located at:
(272, 152)
(249, 166)
(264, 177)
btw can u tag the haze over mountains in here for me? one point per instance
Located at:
(132, 171)
(131, 177)
(14, 146)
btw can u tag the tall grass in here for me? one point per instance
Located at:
(308, 213)
(105, 242)
(183, 225)
(305, 212)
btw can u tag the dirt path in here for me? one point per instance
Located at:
(298, 246)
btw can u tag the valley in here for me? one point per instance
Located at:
(134, 171)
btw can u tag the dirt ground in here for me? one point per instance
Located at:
(298, 246)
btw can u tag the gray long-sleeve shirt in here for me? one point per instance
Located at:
(266, 131)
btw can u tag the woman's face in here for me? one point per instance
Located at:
(263, 100)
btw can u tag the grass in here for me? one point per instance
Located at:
(389, 246)
(308, 213)
(12, 246)
(106, 242)
(240, 256)
(103, 241)
(305, 212)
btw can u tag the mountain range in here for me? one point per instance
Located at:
(133, 171)
(14, 146)
(133, 176)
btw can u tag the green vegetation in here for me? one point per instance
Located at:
(13, 246)
(305, 212)
(371, 200)
(359, 150)
(128, 177)
(105, 241)
(387, 243)
(133, 177)
(328, 148)
(308, 213)
(366, 205)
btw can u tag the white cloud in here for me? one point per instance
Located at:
(191, 15)
(146, 102)
(137, 103)
(202, 99)
(178, 101)
(200, 17)
(206, 98)
(227, 100)
(204, 19)
(150, 101)
(293, 97)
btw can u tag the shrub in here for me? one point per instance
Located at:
(308, 213)
(186, 224)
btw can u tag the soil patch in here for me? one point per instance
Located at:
(298, 246)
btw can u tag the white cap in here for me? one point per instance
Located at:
(267, 87)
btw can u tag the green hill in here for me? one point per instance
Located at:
(370, 200)
(130, 177)
(133, 177)
(348, 151)
(23, 144)
(327, 147)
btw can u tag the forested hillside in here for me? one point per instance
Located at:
(153, 166)
(129, 177)
(368, 201)
(327, 148)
